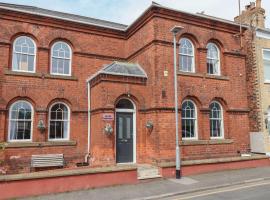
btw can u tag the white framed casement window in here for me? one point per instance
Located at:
(24, 55)
(61, 57)
(266, 64)
(189, 120)
(59, 121)
(216, 121)
(213, 59)
(20, 122)
(186, 56)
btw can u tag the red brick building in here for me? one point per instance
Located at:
(88, 88)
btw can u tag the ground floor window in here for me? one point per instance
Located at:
(20, 121)
(216, 120)
(189, 120)
(59, 119)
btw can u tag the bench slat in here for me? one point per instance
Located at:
(47, 160)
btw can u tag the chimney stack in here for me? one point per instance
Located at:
(259, 3)
(253, 15)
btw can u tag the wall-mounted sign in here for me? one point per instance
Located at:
(108, 117)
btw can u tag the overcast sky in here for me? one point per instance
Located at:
(126, 11)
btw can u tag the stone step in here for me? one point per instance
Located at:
(148, 172)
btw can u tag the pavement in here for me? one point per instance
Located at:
(170, 188)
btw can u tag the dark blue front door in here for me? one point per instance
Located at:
(124, 137)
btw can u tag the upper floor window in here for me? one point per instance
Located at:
(266, 64)
(59, 119)
(186, 55)
(61, 59)
(216, 120)
(24, 54)
(213, 59)
(189, 120)
(20, 121)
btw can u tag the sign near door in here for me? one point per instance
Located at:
(108, 117)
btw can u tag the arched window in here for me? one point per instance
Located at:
(20, 121)
(124, 104)
(186, 55)
(216, 120)
(189, 120)
(61, 59)
(213, 59)
(59, 119)
(24, 54)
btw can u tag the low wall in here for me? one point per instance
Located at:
(23, 185)
(204, 166)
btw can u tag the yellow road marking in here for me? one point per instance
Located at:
(232, 188)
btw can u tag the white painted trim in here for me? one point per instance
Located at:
(263, 59)
(70, 59)
(49, 118)
(133, 111)
(32, 122)
(14, 52)
(263, 34)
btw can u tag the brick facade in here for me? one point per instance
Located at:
(148, 42)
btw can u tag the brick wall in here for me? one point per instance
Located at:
(149, 43)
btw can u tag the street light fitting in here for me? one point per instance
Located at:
(176, 29)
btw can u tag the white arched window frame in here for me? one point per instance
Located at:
(186, 55)
(216, 121)
(20, 122)
(213, 59)
(61, 59)
(59, 122)
(189, 120)
(24, 55)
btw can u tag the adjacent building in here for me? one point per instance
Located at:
(257, 44)
(102, 93)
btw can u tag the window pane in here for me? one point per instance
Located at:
(16, 61)
(120, 128)
(124, 104)
(13, 130)
(266, 55)
(128, 128)
(267, 70)
(24, 62)
(31, 63)
(66, 66)
(54, 65)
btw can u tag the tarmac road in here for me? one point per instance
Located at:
(250, 191)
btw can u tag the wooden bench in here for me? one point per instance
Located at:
(47, 160)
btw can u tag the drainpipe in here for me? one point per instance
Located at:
(87, 156)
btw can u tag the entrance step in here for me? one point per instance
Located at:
(148, 172)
